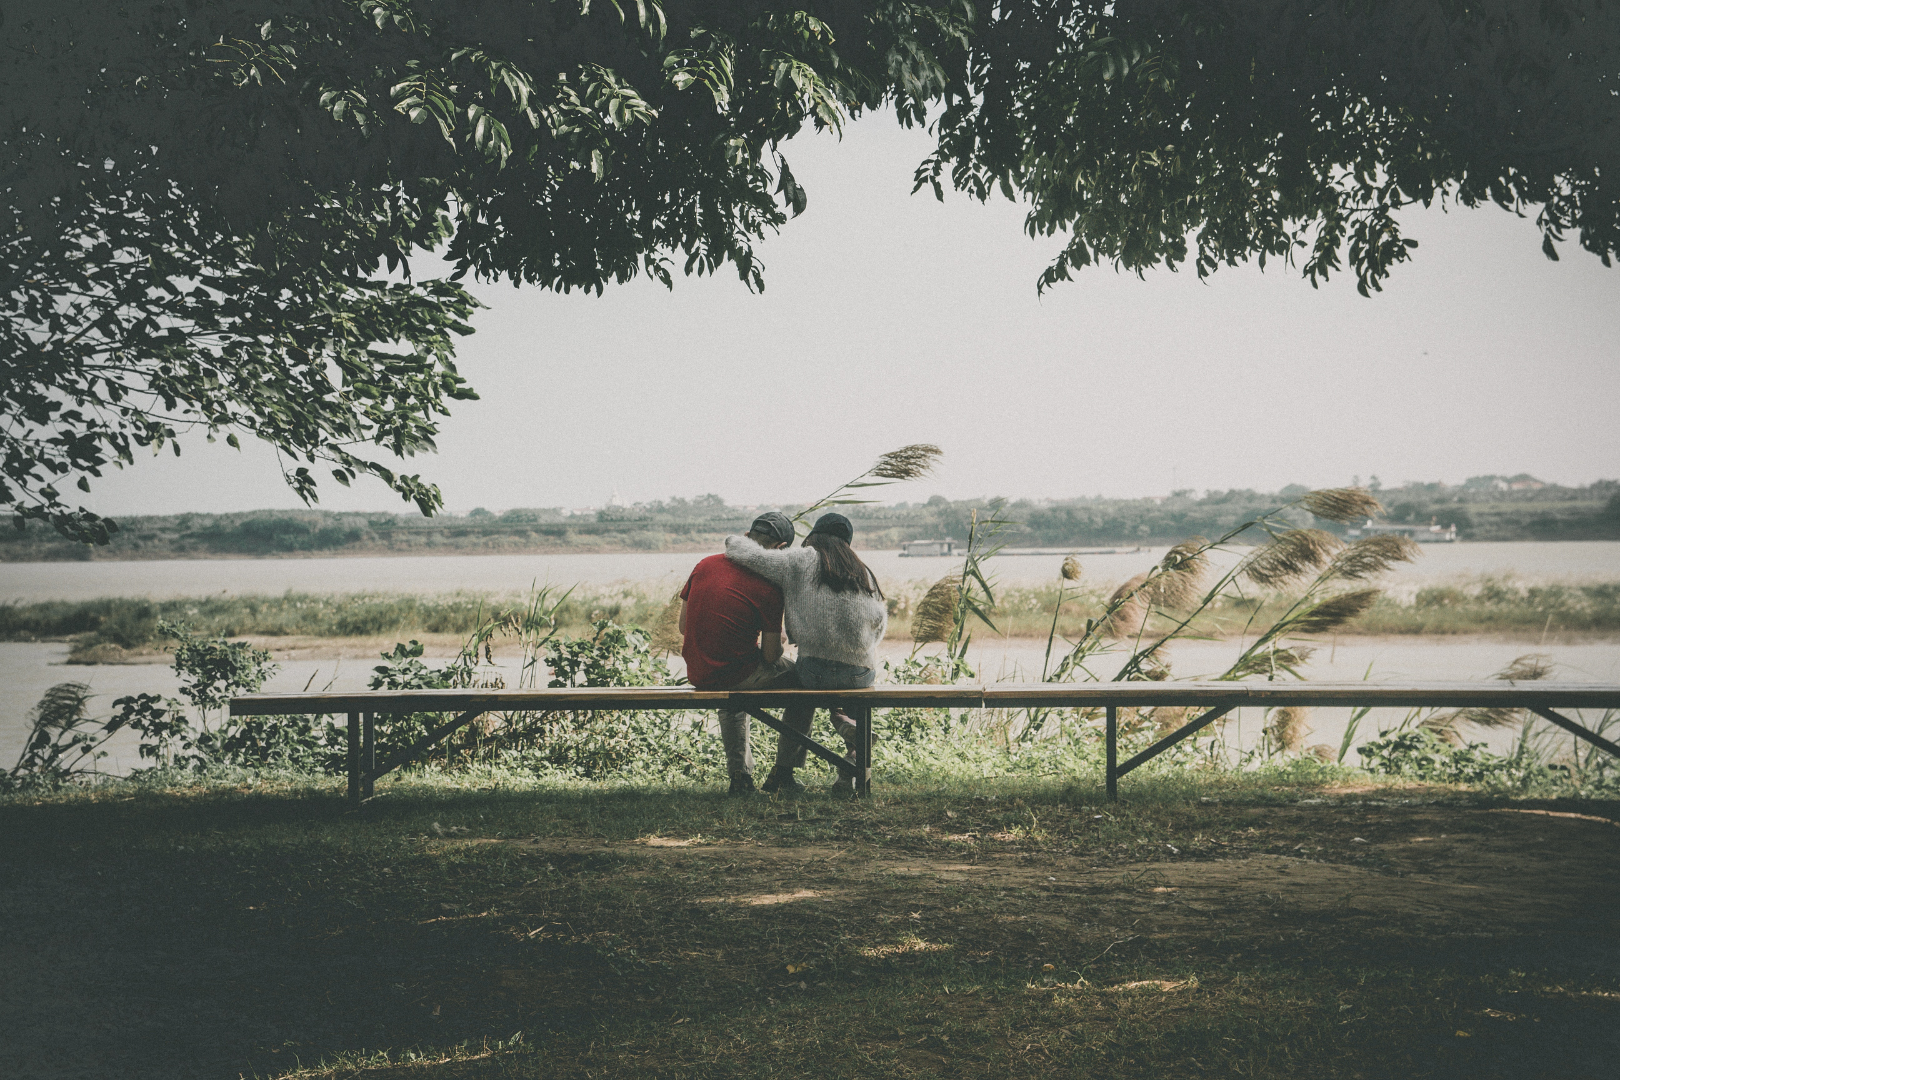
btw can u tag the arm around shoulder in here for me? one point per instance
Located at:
(775, 566)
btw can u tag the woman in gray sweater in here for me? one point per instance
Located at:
(836, 616)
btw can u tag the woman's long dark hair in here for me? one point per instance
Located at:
(840, 569)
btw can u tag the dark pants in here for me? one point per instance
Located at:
(818, 674)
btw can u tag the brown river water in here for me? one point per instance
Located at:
(27, 670)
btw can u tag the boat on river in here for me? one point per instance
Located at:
(1431, 533)
(928, 549)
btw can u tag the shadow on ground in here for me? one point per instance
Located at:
(1356, 937)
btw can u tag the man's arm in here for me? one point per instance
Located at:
(775, 566)
(771, 645)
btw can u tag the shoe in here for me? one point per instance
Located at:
(781, 782)
(741, 787)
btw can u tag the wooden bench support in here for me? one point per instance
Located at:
(863, 776)
(1578, 730)
(425, 746)
(1113, 752)
(1115, 773)
(787, 729)
(353, 758)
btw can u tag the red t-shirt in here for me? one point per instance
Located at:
(727, 608)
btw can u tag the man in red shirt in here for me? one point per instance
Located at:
(730, 637)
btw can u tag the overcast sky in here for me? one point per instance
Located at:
(892, 318)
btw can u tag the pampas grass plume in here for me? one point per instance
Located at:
(933, 616)
(1290, 555)
(1336, 611)
(1128, 606)
(1286, 727)
(1527, 668)
(1374, 555)
(665, 631)
(907, 463)
(1182, 574)
(1342, 504)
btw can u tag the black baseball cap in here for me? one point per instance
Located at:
(775, 524)
(835, 525)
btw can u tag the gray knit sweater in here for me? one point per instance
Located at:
(831, 625)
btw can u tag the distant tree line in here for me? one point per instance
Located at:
(1550, 512)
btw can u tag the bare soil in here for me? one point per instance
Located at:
(1412, 868)
(1490, 934)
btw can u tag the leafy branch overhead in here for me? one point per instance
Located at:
(211, 211)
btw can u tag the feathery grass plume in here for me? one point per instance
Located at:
(1182, 576)
(60, 737)
(1166, 719)
(1286, 727)
(1487, 718)
(1070, 568)
(665, 629)
(1447, 725)
(1153, 668)
(1290, 555)
(1335, 611)
(907, 463)
(1270, 662)
(1323, 752)
(933, 616)
(1374, 555)
(1342, 504)
(1527, 668)
(1127, 608)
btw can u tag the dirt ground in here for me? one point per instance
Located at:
(1421, 867)
(126, 966)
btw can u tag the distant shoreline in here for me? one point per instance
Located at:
(563, 549)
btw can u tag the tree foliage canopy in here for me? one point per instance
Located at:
(212, 208)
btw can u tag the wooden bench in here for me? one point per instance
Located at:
(1216, 699)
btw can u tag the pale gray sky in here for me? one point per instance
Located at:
(891, 318)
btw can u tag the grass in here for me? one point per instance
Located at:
(490, 925)
(132, 624)
(1489, 606)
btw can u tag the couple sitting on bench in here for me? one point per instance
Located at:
(730, 633)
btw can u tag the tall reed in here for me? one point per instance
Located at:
(910, 462)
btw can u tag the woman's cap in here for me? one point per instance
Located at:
(775, 524)
(835, 525)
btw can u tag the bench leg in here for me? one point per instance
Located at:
(866, 751)
(353, 759)
(369, 759)
(1113, 753)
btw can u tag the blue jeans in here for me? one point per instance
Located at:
(818, 673)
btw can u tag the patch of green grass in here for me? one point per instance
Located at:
(133, 624)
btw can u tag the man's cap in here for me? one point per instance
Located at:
(775, 524)
(835, 525)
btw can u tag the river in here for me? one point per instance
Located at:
(1570, 561)
(28, 670)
